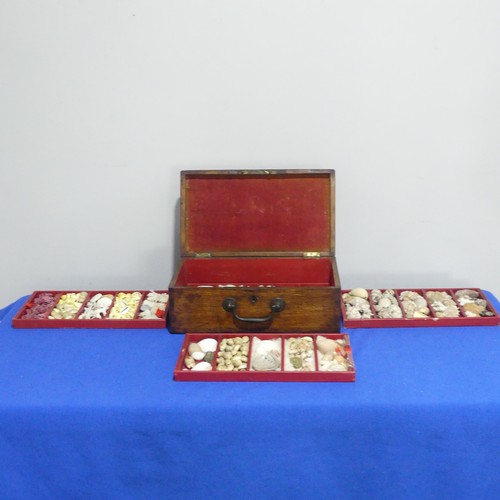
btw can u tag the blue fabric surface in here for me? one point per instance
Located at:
(96, 414)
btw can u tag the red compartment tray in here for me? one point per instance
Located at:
(282, 374)
(432, 320)
(105, 322)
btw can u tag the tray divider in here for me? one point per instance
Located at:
(57, 296)
(429, 303)
(455, 298)
(372, 304)
(139, 304)
(106, 316)
(397, 291)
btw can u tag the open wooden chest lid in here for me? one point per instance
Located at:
(257, 213)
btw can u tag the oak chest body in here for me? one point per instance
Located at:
(257, 253)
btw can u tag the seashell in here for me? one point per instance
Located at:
(189, 362)
(194, 347)
(209, 357)
(325, 345)
(266, 345)
(471, 294)
(266, 361)
(203, 366)
(384, 302)
(357, 302)
(419, 314)
(208, 344)
(474, 309)
(335, 367)
(359, 292)
(198, 356)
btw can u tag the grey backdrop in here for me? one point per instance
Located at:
(102, 103)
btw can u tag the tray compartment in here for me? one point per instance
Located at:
(69, 306)
(491, 317)
(105, 322)
(273, 373)
(442, 304)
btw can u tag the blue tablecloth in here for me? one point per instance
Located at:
(96, 414)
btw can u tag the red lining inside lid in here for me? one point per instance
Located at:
(258, 213)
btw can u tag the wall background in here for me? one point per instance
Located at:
(102, 103)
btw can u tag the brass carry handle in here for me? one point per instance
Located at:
(276, 304)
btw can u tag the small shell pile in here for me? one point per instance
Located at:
(201, 355)
(299, 354)
(266, 354)
(154, 305)
(386, 304)
(414, 305)
(472, 303)
(332, 355)
(97, 306)
(68, 305)
(356, 304)
(41, 305)
(443, 304)
(125, 305)
(233, 354)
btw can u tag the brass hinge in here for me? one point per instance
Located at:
(311, 254)
(202, 254)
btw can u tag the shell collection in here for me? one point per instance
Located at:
(154, 305)
(97, 307)
(125, 305)
(356, 304)
(68, 305)
(386, 304)
(333, 355)
(414, 304)
(299, 354)
(266, 354)
(472, 303)
(251, 353)
(361, 303)
(41, 305)
(201, 355)
(82, 305)
(443, 304)
(233, 354)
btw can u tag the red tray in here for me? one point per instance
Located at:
(136, 322)
(432, 320)
(249, 375)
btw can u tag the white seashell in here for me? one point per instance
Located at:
(384, 302)
(202, 367)
(198, 356)
(359, 292)
(326, 345)
(208, 344)
(266, 345)
(189, 362)
(194, 347)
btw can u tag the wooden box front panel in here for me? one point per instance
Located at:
(310, 289)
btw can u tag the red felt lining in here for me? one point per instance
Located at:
(258, 213)
(249, 271)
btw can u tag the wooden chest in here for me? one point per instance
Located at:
(257, 253)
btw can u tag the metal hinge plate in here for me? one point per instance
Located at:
(312, 254)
